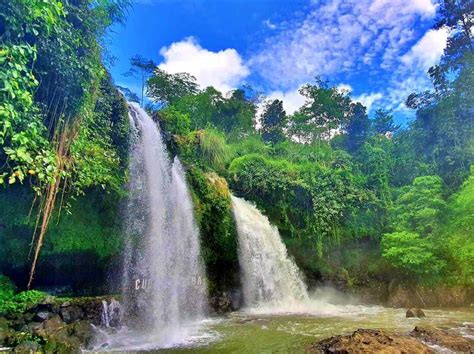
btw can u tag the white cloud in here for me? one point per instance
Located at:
(428, 50)
(411, 75)
(224, 69)
(337, 36)
(292, 100)
(368, 99)
(269, 24)
(334, 38)
(425, 7)
(344, 88)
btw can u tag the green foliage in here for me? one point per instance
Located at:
(7, 287)
(357, 128)
(92, 228)
(141, 69)
(202, 107)
(85, 238)
(204, 148)
(233, 115)
(30, 18)
(167, 88)
(370, 186)
(411, 254)
(174, 121)
(11, 302)
(443, 134)
(382, 122)
(325, 109)
(217, 229)
(60, 43)
(213, 148)
(100, 151)
(376, 162)
(419, 206)
(305, 200)
(25, 148)
(250, 144)
(457, 233)
(273, 121)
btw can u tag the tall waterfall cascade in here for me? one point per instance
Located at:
(270, 279)
(164, 286)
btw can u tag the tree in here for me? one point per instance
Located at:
(442, 134)
(458, 16)
(383, 123)
(167, 88)
(458, 231)
(411, 254)
(236, 115)
(272, 121)
(175, 121)
(376, 161)
(419, 206)
(202, 107)
(325, 110)
(357, 129)
(141, 69)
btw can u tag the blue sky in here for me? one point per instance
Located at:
(378, 50)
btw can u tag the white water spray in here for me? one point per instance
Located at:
(164, 288)
(269, 277)
(271, 281)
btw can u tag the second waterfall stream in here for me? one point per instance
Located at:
(271, 281)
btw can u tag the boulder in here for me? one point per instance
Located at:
(5, 336)
(415, 312)
(4, 323)
(57, 336)
(28, 347)
(221, 303)
(443, 338)
(71, 313)
(61, 337)
(83, 331)
(91, 307)
(51, 325)
(42, 316)
(370, 341)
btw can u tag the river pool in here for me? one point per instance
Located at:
(242, 332)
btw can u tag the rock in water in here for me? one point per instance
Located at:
(443, 338)
(415, 312)
(370, 341)
(27, 347)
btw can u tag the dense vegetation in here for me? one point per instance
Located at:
(64, 137)
(356, 198)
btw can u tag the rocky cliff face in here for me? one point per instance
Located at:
(54, 325)
(405, 295)
(419, 296)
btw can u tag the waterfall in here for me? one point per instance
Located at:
(163, 288)
(111, 314)
(271, 281)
